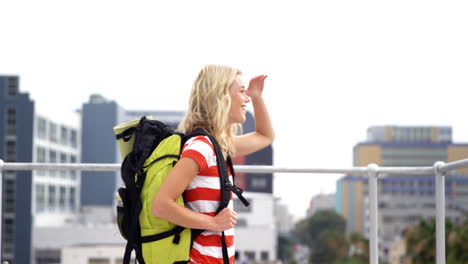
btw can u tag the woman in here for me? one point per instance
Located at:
(218, 105)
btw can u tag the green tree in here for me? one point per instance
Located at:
(324, 234)
(359, 247)
(309, 229)
(285, 248)
(421, 241)
(332, 246)
(457, 244)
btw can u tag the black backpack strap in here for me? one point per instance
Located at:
(238, 191)
(133, 205)
(173, 232)
(223, 175)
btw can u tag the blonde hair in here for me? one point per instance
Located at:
(209, 105)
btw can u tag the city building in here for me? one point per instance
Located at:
(46, 197)
(98, 117)
(403, 199)
(53, 244)
(256, 221)
(284, 218)
(93, 254)
(321, 202)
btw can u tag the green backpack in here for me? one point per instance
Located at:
(151, 149)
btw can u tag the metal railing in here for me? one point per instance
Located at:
(440, 169)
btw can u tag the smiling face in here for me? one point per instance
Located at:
(239, 100)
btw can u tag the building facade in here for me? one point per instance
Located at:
(16, 137)
(55, 193)
(403, 199)
(321, 202)
(98, 117)
(33, 198)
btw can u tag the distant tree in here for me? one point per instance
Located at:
(286, 248)
(301, 231)
(309, 229)
(421, 242)
(457, 244)
(324, 234)
(332, 246)
(359, 246)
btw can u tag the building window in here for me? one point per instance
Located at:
(99, 261)
(11, 121)
(259, 183)
(53, 132)
(73, 138)
(63, 159)
(53, 159)
(12, 86)
(240, 207)
(8, 237)
(73, 172)
(264, 256)
(241, 222)
(72, 199)
(41, 154)
(40, 198)
(250, 255)
(9, 196)
(41, 128)
(63, 135)
(62, 197)
(52, 200)
(10, 154)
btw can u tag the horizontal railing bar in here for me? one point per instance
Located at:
(407, 170)
(239, 168)
(61, 166)
(459, 164)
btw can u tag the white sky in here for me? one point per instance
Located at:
(335, 67)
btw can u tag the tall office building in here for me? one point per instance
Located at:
(32, 198)
(403, 199)
(98, 117)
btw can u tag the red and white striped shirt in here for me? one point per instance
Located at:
(203, 195)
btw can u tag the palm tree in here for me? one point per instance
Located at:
(421, 242)
(457, 244)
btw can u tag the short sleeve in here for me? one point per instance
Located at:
(200, 149)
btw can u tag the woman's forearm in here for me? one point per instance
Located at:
(263, 122)
(179, 215)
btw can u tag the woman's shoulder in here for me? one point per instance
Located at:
(199, 142)
(200, 139)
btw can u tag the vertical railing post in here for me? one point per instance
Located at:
(440, 213)
(374, 214)
(1, 208)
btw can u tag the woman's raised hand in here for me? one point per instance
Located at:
(256, 85)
